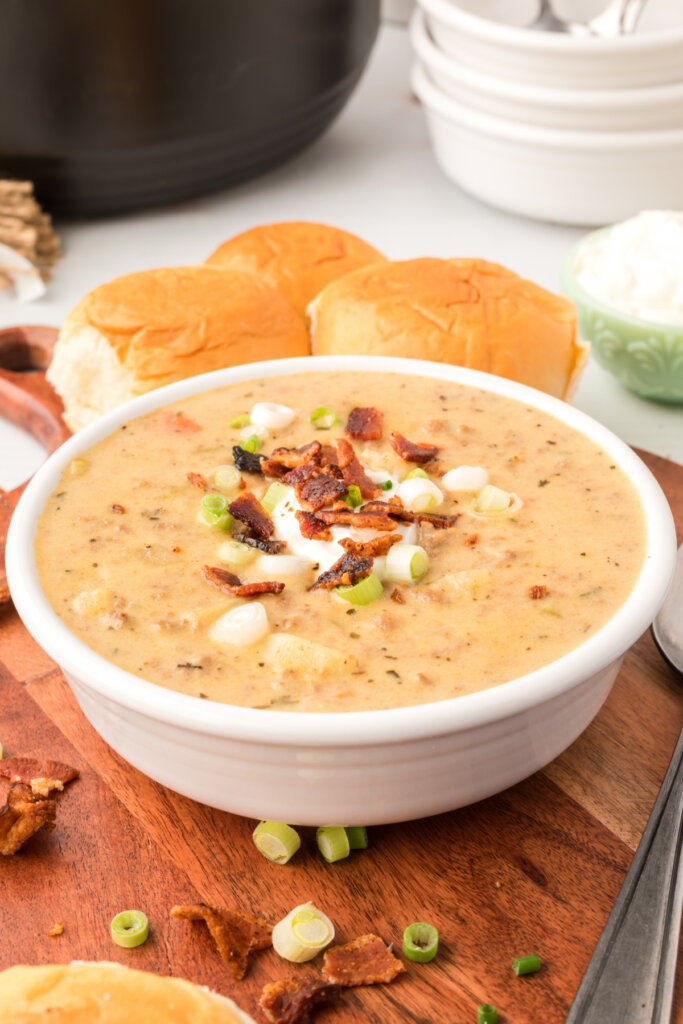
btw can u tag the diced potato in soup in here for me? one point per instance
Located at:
(381, 603)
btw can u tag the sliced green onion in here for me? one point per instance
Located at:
(273, 496)
(333, 842)
(354, 498)
(239, 421)
(302, 934)
(364, 592)
(323, 418)
(234, 553)
(492, 501)
(420, 942)
(226, 477)
(417, 472)
(386, 485)
(276, 841)
(419, 495)
(526, 964)
(406, 563)
(252, 444)
(487, 1014)
(129, 928)
(357, 836)
(214, 511)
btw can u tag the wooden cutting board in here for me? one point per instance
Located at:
(535, 869)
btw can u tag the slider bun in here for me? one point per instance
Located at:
(150, 328)
(82, 993)
(465, 311)
(298, 258)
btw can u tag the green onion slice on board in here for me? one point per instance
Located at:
(420, 942)
(526, 964)
(357, 836)
(276, 841)
(487, 1014)
(333, 842)
(130, 928)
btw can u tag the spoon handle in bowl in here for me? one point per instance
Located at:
(630, 976)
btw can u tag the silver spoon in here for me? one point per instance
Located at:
(619, 17)
(630, 977)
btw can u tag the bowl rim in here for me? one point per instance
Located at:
(578, 294)
(549, 97)
(454, 17)
(353, 728)
(439, 102)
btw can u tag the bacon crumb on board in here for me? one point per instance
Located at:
(30, 798)
(363, 961)
(312, 527)
(409, 451)
(291, 999)
(370, 548)
(249, 510)
(57, 929)
(538, 591)
(231, 584)
(347, 570)
(197, 480)
(364, 424)
(236, 934)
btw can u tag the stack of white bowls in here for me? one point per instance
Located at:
(576, 129)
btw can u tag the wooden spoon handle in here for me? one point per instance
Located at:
(29, 402)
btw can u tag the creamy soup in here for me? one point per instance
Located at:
(441, 541)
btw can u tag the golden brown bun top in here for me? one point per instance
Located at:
(463, 311)
(177, 322)
(296, 257)
(107, 994)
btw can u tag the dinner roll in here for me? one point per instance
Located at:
(296, 257)
(463, 311)
(108, 993)
(156, 326)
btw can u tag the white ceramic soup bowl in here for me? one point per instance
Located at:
(574, 177)
(579, 109)
(366, 767)
(555, 59)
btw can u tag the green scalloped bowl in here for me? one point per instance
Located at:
(645, 357)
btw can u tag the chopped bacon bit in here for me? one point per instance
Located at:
(57, 929)
(397, 596)
(346, 570)
(271, 547)
(537, 592)
(328, 456)
(247, 462)
(364, 424)
(197, 480)
(292, 999)
(319, 491)
(471, 540)
(353, 472)
(363, 961)
(249, 510)
(178, 422)
(303, 472)
(29, 770)
(235, 934)
(395, 509)
(283, 459)
(411, 452)
(371, 548)
(230, 584)
(311, 527)
(119, 509)
(363, 520)
(22, 816)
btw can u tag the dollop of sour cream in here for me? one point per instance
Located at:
(637, 266)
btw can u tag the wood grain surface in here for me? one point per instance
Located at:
(534, 869)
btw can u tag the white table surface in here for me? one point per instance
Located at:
(371, 173)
